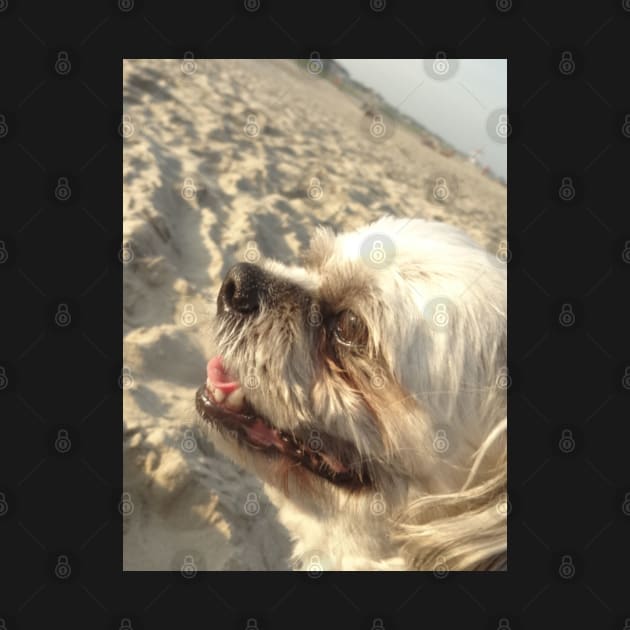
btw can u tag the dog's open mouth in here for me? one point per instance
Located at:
(221, 401)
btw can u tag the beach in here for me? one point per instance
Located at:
(228, 161)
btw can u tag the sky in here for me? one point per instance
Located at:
(457, 109)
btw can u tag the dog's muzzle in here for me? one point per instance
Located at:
(242, 289)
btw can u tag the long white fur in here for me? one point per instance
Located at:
(441, 509)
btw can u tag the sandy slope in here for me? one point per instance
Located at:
(203, 190)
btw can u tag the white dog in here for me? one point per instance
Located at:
(367, 389)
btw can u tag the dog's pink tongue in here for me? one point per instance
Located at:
(218, 376)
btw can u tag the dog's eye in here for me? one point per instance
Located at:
(349, 330)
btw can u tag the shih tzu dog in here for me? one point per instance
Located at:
(368, 390)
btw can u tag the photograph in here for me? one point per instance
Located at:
(314, 315)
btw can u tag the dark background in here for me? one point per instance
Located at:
(569, 505)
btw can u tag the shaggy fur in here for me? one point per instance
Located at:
(420, 408)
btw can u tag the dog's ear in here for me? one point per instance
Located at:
(465, 530)
(320, 248)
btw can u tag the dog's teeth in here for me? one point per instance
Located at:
(235, 400)
(218, 395)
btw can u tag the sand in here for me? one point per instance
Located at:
(226, 161)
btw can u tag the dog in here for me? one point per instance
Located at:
(367, 389)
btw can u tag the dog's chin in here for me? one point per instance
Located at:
(280, 457)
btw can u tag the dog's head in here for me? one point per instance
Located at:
(375, 368)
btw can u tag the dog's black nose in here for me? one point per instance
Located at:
(241, 289)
